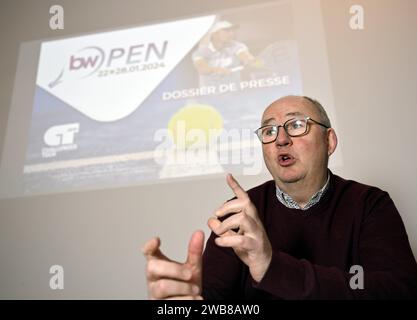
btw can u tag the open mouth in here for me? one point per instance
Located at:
(286, 160)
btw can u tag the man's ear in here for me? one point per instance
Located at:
(331, 141)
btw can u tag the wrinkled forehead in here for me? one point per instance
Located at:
(287, 108)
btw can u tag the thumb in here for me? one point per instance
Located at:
(195, 249)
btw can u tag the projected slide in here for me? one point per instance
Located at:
(164, 101)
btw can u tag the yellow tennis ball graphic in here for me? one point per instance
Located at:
(258, 64)
(195, 124)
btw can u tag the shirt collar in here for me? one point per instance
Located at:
(289, 202)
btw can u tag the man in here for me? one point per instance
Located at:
(222, 59)
(298, 236)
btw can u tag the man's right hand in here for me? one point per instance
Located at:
(169, 279)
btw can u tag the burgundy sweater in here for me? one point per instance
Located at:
(313, 250)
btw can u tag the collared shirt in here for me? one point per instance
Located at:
(289, 202)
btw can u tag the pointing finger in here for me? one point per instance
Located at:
(236, 188)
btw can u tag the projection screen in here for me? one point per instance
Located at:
(138, 105)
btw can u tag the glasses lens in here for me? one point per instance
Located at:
(268, 134)
(296, 127)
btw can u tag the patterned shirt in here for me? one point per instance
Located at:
(289, 202)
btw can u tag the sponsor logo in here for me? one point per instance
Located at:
(60, 138)
(107, 76)
(115, 61)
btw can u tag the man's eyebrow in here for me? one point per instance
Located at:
(266, 121)
(296, 113)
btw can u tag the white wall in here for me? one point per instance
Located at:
(97, 235)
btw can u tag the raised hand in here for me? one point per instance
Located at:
(250, 242)
(172, 280)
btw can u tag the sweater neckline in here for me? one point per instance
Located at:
(314, 210)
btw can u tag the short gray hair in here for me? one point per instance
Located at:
(323, 114)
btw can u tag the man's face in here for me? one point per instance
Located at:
(295, 159)
(225, 35)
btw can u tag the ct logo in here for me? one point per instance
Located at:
(60, 135)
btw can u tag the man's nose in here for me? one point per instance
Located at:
(283, 139)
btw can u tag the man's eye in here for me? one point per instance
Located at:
(269, 131)
(297, 124)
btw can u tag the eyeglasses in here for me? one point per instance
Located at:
(293, 127)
